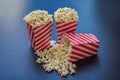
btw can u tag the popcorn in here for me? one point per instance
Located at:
(57, 58)
(38, 17)
(52, 42)
(65, 15)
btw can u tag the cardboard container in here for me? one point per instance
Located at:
(82, 45)
(40, 36)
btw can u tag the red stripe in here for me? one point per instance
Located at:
(78, 54)
(40, 47)
(42, 31)
(35, 28)
(47, 46)
(42, 41)
(82, 45)
(45, 31)
(91, 41)
(44, 38)
(84, 38)
(66, 23)
(59, 23)
(71, 39)
(87, 47)
(80, 40)
(94, 45)
(80, 37)
(73, 47)
(90, 38)
(67, 28)
(70, 61)
(43, 35)
(74, 38)
(94, 37)
(40, 28)
(76, 58)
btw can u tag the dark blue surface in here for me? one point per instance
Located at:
(100, 17)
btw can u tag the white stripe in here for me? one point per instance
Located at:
(84, 38)
(43, 43)
(91, 35)
(76, 39)
(41, 26)
(85, 49)
(71, 59)
(71, 39)
(77, 51)
(74, 55)
(90, 38)
(59, 33)
(38, 28)
(94, 39)
(64, 27)
(44, 46)
(48, 35)
(90, 46)
(61, 24)
(43, 34)
(44, 29)
(83, 41)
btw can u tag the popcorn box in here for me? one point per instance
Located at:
(65, 27)
(40, 36)
(82, 45)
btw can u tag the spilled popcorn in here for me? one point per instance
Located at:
(38, 17)
(65, 15)
(57, 58)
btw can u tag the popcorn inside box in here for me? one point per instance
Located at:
(39, 27)
(81, 45)
(66, 21)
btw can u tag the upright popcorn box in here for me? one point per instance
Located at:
(82, 45)
(66, 21)
(40, 36)
(39, 27)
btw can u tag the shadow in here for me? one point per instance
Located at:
(87, 63)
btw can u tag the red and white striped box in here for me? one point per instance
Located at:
(40, 36)
(83, 45)
(65, 27)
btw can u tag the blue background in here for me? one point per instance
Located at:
(100, 17)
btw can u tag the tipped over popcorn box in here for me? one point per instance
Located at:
(66, 21)
(82, 45)
(39, 27)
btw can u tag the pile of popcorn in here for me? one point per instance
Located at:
(57, 58)
(38, 17)
(65, 15)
